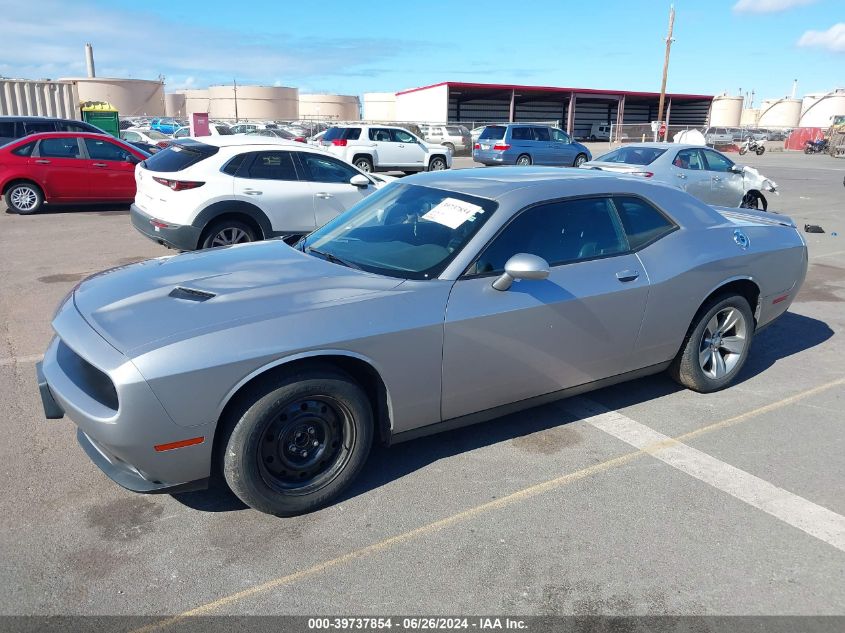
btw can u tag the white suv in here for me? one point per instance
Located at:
(226, 190)
(384, 148)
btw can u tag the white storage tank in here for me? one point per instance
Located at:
(329, 107)
(749, 117)
(196, 100)
(726, 111)
(253, 102)
(131, 97)
(174, 104)
(783, 112)
(379, 106)
(818, 110)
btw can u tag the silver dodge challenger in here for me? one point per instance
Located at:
(444, 299)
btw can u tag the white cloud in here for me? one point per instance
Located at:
(768, 6)
(833, 39)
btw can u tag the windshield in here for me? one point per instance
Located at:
(632, 155)
(404, 230)
(155, 134)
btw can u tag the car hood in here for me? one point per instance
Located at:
(142, 306)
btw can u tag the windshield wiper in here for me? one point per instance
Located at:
(332, 258)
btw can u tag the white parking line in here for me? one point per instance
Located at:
(798, 512)
(20, 359)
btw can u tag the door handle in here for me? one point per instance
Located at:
(716, 179)
(323, 195)
(100, 165)
(252, 192)
(684, 176)
(400, 145)
(627, 275)
(41, 161)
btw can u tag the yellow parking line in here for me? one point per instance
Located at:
(502, 502)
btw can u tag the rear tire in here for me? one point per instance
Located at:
(227, 232)
(524, 160)
(742, 151)
(716, 346)
(297, 442)
(450, 147)
(24, 198)
(364, 163)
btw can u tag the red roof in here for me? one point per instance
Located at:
(627, 93)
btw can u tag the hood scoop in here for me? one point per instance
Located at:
(190, 294)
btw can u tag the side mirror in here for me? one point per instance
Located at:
(737, 169)
(522, 266)
(360, 180)
(133, 160)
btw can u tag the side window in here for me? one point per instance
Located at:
(131, 136)
(59, 148)
(521, 134)
(688, 159)
(716, 162)
(104, 150)
(24, 150)
(559, 232)
(325, 169)
(560, 136)
(36, 127)
(272, 166)
(379, 134)
(541, 134)
(235, 163)
(401, 136)
(7, 129)
(67, 126)
(641, 221)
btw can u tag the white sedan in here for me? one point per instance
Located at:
(143, 135)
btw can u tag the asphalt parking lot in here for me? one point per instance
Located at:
(638, 499)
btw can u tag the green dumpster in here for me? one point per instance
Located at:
(102, 115)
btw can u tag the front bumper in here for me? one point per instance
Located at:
(119, 436)
(183, 237)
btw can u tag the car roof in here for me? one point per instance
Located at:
(662, 146)
(42, 135)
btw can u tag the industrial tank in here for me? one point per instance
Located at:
(783, 112)
(726, 111)
(818, 110)
(330, 107)
(380, 106)
(253, 102)
(174, 104)
(196, 100)
(131, 97)
(749, 117)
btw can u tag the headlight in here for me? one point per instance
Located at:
(768, 185)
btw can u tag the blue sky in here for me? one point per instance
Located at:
(350, 48)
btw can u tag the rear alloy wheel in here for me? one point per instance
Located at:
(438, 163)
(228, 233)
(364, 164)
(299, 442)
(24, 198)
(716, 347)
(524, 160)
(579, 160)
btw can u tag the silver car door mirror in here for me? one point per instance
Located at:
(522, 266)
(359, 180)
(737, 169)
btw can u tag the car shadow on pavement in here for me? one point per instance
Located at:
(102, 208)
(789, 335)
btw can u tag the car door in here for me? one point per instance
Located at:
(386, 151)
(688, 172)
(329, 179)
(545, 149)
(726, 187)
(540, 336)
(58, 165)
(522, 142)
(411, 151)
(563, 151)
(112, 170)
(269, 181)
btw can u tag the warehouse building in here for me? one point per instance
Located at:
(575, 108)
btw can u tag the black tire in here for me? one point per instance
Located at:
(753, 200)
(761, 150)
(364, 163)
(24, 198)
(579, 160)
(437, 163)
(807, 150)
(742, 151)
(450, 147)
(524, 160)
(593, 137)
(694, 367)
(273, 418)
(227, 232)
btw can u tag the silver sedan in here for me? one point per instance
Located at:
(442, 300)
(702, 172)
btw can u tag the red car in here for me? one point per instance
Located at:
(64, 167)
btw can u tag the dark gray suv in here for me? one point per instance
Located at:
(14, 127)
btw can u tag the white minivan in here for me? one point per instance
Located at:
(600, 132)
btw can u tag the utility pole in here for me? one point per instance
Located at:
(669, 41)
(235, 89)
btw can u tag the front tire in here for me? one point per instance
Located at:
(580, 160)
(716, 346)
(753, 200)
(437, 163)
(227, 233)
(761, 150)
(24, 198)
(524, 160)
(298, 442)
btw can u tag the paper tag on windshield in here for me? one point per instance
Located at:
(452, 212)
